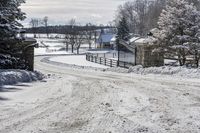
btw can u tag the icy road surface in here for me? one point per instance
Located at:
(81, 101)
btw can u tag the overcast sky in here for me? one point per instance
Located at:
(61, 11)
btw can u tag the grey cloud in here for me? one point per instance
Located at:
(60, 11)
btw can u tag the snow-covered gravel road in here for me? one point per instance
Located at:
(82, 101)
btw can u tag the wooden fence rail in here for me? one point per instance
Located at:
(107, 62)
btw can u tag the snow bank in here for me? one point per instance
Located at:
(9, 77)
(118, 69)
(168, 70)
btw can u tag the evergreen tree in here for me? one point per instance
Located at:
(178, 28)
(10, 14)
(123, 30)
(122, 34)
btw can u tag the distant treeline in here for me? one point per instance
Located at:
(64, 29)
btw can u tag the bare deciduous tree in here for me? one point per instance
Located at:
(74, 36)
(34, 23)
(141, 15)
(45, 22)
(89, 35)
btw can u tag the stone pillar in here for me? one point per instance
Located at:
(146, 57)
(28, 53)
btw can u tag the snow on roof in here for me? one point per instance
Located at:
(134, 39)
(139, 40)
(104, 38)
(113, 38)
(30, 40)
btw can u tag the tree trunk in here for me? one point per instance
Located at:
(90, 45)
(184, 60)
(197, 63)
(72, 48)
(196, 59)
(180, 61)
(78, 51)
(67, 47)
(184, 56)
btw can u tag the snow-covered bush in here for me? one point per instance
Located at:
(9, 77)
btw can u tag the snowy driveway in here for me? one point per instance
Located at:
(81, 101)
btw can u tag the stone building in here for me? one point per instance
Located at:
(142, 50)
(146, 54)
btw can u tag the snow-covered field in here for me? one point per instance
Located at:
(79, 60)
(50, 51)
(57, 47)
(89, 101)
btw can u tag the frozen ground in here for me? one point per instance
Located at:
(89, 101)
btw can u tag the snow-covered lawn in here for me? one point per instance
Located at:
(79, 60)
(49, 46)
(50, 51)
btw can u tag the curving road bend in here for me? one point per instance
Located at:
(88, 101)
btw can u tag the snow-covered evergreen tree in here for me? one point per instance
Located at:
(179, 26)
(122, 34)
(123, 30)
(10, 14)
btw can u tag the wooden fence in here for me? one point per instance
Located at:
(107, 62)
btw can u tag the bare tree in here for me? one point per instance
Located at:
(74, 36)
(45, 22)
(141, 15)
(34, 23)
(70, 35)
(89, 33)
(79, 40)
